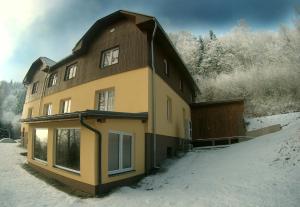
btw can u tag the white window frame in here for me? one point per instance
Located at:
(48, 109)
(108, 106)
(110, 55)
(121, 169)
(52, 80)
(66, 108)
(62, 167)
(33, 140)
(71, 71)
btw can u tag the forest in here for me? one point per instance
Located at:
(262, 67)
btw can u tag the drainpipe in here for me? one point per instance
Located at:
(98, 133)
(153, 94)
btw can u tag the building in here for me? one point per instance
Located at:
(113, 110)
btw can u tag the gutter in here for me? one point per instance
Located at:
(98, 133)
(153, 94)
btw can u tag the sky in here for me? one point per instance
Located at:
(33, 28)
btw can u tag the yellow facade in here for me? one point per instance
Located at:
(132, 94)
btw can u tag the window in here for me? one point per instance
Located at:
(47, 109)
(52, 80)
(29, 114)
(110, 57)
(67, 155)
(166, 67)
(40, 140)
(70, 71)
(66, 106)
(35, 87)
(106, 99)
(180, 85)
(120, 152)
(169, 109)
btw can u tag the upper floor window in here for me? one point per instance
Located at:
(110, 57)
(35, 87)
(70, 71)
(52, 80)
(66, 106)
(29, 113)
(105, 99)
(166, 67)
(48, 109)
(169, 109)
(180, 85)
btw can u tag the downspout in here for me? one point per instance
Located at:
(153, 94)
(98, 133)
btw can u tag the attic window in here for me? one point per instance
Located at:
(35, 87)
(166, 67)
(180, 85)
(70, 71)
(110, 57)
(112, 30)
(52, 80)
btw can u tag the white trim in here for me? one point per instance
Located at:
(67, 169)
(121, 169)
(41, 161)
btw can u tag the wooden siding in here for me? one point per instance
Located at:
(219, 119)
(133, 54)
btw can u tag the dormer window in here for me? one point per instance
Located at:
(70, 71)
(110, 57)
(52, 80)
(35, 87)
(166, 67)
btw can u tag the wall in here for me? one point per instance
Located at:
(89, 149)
(131, 94)
(217, 119)
(175, 127)
(133, 55)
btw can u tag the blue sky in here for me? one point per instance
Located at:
(51, 28)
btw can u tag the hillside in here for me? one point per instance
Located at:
(262, 172)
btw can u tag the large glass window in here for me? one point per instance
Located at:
(40, 140)
(120, 150)
(105, 99)
(110, 57)
(68, 149)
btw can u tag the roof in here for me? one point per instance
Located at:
(88, 114)
(140, 19)
(226, 101)
(41, 63)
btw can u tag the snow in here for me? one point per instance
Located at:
(261, 172)
(7, 140)
(282, 119)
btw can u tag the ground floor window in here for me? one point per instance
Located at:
(67, 144)
(40, 141)
(120, 152)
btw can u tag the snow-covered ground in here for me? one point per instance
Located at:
(261, 172)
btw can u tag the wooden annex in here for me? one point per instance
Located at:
(218, 121)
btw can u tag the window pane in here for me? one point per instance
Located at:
(113, 151)
(68, 148)
(40, 144)
(107, 58)
(115, 56)
(127, 145)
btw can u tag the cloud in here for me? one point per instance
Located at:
(16, 18)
